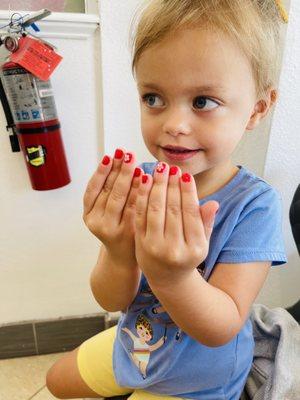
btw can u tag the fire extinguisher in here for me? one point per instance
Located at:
(34, 113)
(29, 104)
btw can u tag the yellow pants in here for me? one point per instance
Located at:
(94, 361)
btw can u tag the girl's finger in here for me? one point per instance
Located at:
(142, 205)
(156, 214)
(208, 213)
(130, 207)
(121, 188)
(101, 183)
(174, 223)
(192, 222)
(96, 183)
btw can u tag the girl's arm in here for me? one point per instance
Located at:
(130, 334)
(114, 285)
(212, 312)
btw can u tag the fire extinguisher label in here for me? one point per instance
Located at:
(46, 92)
(31, 99)
(35, 155)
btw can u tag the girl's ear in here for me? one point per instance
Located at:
(262, 108)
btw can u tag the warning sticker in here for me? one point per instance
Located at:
(35, 155)
(30, 99)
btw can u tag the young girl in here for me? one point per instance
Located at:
(206, 73)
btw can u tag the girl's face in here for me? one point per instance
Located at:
(143, 333)
(196, 91)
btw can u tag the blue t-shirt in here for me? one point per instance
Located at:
(248, 227)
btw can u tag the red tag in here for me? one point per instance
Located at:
(36, 57)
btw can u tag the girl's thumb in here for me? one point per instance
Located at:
(208, 214)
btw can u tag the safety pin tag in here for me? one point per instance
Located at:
(36, 57)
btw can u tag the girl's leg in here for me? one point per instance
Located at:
(87, 371)
(64, 380)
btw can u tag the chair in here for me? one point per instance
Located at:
(117, 398)
(295, 217)
(295, 225)
(112, 398)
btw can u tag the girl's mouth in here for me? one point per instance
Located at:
(179, 155)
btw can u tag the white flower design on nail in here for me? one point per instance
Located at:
(127, 157)
(160, 167)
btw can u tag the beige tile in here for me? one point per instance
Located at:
(44, 394)
(20, 378)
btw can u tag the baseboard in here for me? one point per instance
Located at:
(50, 336)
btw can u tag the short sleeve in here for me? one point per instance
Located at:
(148, 167)
(257, 235)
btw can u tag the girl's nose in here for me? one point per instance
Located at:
(177, 121)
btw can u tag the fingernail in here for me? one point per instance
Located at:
(173, 170)
(186, 178)
(137, 172)
(106, 160)
(119, 154)
(161, 166)
(144, 178)
(128, 158)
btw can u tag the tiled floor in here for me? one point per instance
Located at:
(24, 378)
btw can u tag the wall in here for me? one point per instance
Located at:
(46, 253)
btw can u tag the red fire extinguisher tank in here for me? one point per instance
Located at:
(33, 108)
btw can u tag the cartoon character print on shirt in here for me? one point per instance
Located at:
(141, 350)
(149, 309)
(142, 305)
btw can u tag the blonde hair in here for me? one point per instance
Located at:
(253, 24)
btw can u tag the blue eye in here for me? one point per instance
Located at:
(200, 102)
(150, 99)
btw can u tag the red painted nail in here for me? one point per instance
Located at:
(186, 178)
(119, 154)
(106, 160)
(161, 166)
(173, 170)
(128, 158)
(145, 178)
(137, 172)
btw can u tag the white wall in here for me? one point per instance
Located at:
(46, 253)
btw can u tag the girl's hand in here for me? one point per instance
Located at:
(109, 205)
(172, 230)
